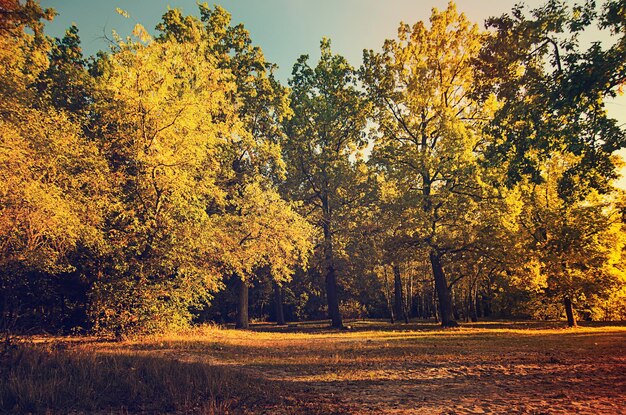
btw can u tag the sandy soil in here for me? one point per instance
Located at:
(497, 370)
(375, 368)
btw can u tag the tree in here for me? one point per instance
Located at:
(553, 130)
(579, 246)
(261, 102)
(323, 137)
(263, 232)
(430, 137)
(53, 182)
(552, 93)
(66, 83)
(23, 56)
(374, 255)
(165, 122)
(383, 227)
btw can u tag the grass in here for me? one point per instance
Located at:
(59, 377)
(497, 367)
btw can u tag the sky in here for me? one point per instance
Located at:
(286, 29)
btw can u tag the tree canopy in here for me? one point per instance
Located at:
(457, 174)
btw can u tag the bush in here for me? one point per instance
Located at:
(352, 309)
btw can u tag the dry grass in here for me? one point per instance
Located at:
(61, 377)
(497, 367)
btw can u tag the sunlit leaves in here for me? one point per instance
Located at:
(429, 125)
(553, 93)
(163, 115)
(579, 247)
(196, 200)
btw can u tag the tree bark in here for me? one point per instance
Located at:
(443, 292)
(331, 279)
(388, 297)
(409, 298)
(569, 312)
(435, 305)
(466, 311)
(398, 297)
(278, 304)
(472, 306)
(486, 302)
(242, 304)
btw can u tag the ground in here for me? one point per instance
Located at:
(375, 368)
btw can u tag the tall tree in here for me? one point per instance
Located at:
(553, 92)
(53, 182)
(430, 134)
(578, 247)
(261, 103)
(162, 116)
(323, 138)
(553, 128)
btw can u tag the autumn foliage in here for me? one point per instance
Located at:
(173, 179)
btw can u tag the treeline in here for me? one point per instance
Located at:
(458, 173)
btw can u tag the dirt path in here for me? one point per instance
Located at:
(456, 372)
(512, 368)
(470, 386)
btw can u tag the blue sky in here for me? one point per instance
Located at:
(286, 29)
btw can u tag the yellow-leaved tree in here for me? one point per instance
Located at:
(430, 139)
(186, 212)
(162, 114)
(53, 182)
(263, 231)
(578, 246)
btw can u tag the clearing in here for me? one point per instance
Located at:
(496, 367)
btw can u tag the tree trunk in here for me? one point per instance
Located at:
(435, 305)
(486, 302)
(333, 303)
(466, 311)
(472, 306)
(569, 311)
(443, 292)
(278, 304)
(388, 297)
(455, 309)
(331, 279)
(242, 304)
(398, 297)
(409, 298)
(479, 306)
(418, 306)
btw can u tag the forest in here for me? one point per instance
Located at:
(439, 230)
(459, 173)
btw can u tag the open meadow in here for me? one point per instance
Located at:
(374, 367)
